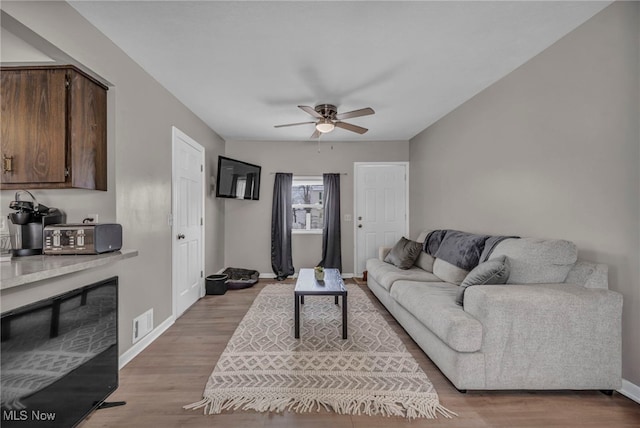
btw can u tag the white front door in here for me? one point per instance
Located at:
(188, 218)
(381, 208)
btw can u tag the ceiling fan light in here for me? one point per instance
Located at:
(325, 125)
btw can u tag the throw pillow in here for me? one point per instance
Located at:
(404, 253)
(493, 271)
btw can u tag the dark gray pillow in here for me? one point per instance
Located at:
(404, 253)
(493, 271)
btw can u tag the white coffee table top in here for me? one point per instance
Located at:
(308, 284)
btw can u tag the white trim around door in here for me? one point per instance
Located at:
(399, 173)
(193, 227)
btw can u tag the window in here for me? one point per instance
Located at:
(307, 204)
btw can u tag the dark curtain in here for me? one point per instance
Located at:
(331, 244)
(281, 220)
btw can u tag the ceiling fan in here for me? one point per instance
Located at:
(328, 119)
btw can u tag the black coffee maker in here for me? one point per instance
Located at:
(27, 223)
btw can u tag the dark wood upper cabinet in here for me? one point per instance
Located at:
(54, 129)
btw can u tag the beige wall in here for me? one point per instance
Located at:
(248, 223)
(141, 114)
(552, 150)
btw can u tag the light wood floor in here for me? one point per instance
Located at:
(174, 369)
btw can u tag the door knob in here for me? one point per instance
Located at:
(180, 236)
(359, 225)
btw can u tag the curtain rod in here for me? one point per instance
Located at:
(306, 174)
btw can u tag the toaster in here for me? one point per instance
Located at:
(83, 238)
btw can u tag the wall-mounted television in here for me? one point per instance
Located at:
(59, 357)
(237, 179)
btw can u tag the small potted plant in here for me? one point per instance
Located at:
(319, 272)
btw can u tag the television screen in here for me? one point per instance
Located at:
(237, 179)
(59, 357)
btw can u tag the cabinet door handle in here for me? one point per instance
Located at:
(7, 164)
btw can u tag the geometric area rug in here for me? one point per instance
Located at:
(264, 368)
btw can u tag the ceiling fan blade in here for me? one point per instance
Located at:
(316, 134)
(311, 111)
(350, 127)
(355, 113)
(292, 124)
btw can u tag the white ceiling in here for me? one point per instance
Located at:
(243, 67)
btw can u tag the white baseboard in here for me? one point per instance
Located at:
(268, 275)
(630, 390)
(131, 353)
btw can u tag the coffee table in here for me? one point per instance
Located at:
(307, 285)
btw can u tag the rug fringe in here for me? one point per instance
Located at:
(411, 408)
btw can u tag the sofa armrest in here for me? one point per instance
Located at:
(549, 336)
(382, 252)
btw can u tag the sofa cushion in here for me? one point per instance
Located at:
(383, 252)
(448, 272)
(494, 271)
(423, 235)
(462, 249)
(404, 253)
(386, 274)
(434, 305)
(537, 261)
(425, 261)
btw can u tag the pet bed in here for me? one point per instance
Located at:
(240, 278)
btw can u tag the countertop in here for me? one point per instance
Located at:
(24, 270)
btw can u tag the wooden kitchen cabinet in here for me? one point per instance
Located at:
(54, 129)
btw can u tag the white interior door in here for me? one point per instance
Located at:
(381, 208)
(188, 222)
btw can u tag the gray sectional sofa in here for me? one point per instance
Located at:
(553, 325)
